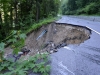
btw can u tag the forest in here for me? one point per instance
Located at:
(17, 18)
(80, 7)
(20, 17)
(21, 14)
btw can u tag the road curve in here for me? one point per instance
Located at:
(83, 59)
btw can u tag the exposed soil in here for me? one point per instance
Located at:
(57, 36)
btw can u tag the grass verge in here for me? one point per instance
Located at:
(36, 26)
(33, 27)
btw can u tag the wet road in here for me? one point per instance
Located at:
(83, 59)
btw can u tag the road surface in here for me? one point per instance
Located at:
(83, 59)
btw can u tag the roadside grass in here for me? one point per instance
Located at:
(33, 27)
(21, 67)
(36, 26)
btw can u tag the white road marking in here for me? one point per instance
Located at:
(61, 65)
(93, 30)
(68, 48)
(62, 72)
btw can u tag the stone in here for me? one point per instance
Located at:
(51, 51)
(55, 50)
(63, 44)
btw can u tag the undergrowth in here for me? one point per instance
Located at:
(36, 26)
(36, 64)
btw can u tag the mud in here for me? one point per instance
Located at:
(57, 36)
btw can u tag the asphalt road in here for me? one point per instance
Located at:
(90, 18)
(83, 59)
(81, 22)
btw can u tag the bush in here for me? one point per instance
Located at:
(80, 11)
(70, 12)
(36, 64)
(92, 8)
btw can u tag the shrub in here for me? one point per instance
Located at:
(80, 11)
(70, 12)
(36, 64)
(92, 8)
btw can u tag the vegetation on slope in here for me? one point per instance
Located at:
(21, 14)
(78, 7)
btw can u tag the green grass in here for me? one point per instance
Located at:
(36, 26)
(31, 64)
(33, 27)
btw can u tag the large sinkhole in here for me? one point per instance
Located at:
(51, 37)
(70, 34)
(56, 35)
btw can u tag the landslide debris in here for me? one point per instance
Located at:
(51, 37)
(57, 35)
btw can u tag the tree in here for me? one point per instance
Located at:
(81, 7)
(20, 14)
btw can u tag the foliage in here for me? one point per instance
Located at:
(92, 8)
(20, 14)
(38, 64)
(36, 26)
(17, 40)
(2, 45)
(17, 16)
(78, 7)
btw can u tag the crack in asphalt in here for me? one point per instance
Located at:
(92, 48)
(94, 58)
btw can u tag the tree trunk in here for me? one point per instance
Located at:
(15, 7)
(37, 10)
(11, 16)
(0, 19)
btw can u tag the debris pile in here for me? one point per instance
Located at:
(14, 57)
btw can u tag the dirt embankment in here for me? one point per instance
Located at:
(53, 36)
(56, 36)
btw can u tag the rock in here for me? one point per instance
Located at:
(20, 53)
(10, 57)
(63, 44)
(45, 45)
(68, 38)
(25, 51)
(55, 50)
(51, 51)
(53, 45)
